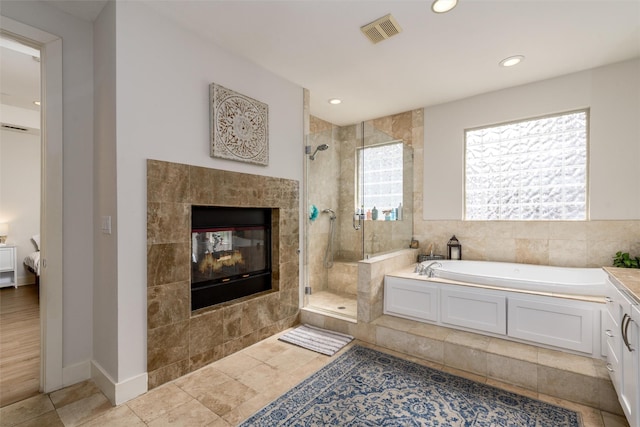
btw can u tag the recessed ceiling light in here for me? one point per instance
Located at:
(37, 103)
(511, 61)
(443, 6)
(335, 101)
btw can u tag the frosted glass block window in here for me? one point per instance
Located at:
(530, 170)
(380, 170)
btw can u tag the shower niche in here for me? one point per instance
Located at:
(230, 254)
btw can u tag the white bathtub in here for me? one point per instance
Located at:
(528, 277)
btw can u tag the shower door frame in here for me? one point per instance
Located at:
(345, 214)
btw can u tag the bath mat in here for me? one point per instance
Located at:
(317, 339)
(364, 387)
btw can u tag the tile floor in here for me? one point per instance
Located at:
(221, 394)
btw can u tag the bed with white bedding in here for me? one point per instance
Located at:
(32, 261)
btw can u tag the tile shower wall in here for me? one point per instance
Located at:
(323, 182)
(380, 237)
(179, 341)
(332, 184)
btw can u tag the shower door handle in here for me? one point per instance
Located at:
(357, 225)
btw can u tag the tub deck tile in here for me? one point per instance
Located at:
(566, 362)
(468, 339)
(513, 371)
(513, 350)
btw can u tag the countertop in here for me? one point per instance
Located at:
(627, 277)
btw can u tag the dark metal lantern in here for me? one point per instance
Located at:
(454, 248)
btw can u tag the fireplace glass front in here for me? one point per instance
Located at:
(220, 255)
(230, 253)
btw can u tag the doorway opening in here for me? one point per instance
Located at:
(20, 212)
(51, 247)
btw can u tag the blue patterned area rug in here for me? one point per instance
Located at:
(364, 387)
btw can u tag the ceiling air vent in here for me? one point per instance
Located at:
(381, 29)
(19, 128)
(14, 128)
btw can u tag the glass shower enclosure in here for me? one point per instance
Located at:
(359, 194)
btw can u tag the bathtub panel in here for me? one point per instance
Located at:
(482, 307)
(552, 324)
(411, 299)
(483, 310)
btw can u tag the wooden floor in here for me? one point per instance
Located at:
(19, 344)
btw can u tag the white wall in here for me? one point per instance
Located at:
(20, 193)
(161, 91)
(77, 57)
(163, 77)
(615, 141)
(105, 294)
(613, 95)
(20, 116)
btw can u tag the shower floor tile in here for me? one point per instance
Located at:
(333, 302)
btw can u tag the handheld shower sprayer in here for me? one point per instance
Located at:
(332, 214)
(321, 147)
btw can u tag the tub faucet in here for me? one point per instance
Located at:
(428, 270)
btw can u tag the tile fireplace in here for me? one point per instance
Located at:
(181, 339)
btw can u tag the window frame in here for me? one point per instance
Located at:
(359, 196)
(586, 111)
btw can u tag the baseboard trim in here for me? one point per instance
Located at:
(121, 392)
(24, 281)
(76, 373)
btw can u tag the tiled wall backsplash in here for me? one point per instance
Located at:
(557, 243)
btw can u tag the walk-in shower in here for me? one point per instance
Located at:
(366, 179)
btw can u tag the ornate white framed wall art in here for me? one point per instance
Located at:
(239, 126)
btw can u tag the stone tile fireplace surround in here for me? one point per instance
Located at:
(180, 341)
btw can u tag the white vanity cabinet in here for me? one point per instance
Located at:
(631, 365)
(622, 333)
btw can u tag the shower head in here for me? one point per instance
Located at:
(318, 148)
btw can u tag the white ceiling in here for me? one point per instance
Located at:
(19, 79)
(318, 45)
(87, 10)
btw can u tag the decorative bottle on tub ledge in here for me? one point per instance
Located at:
(454, 248)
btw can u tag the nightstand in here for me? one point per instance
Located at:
(8, 266)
